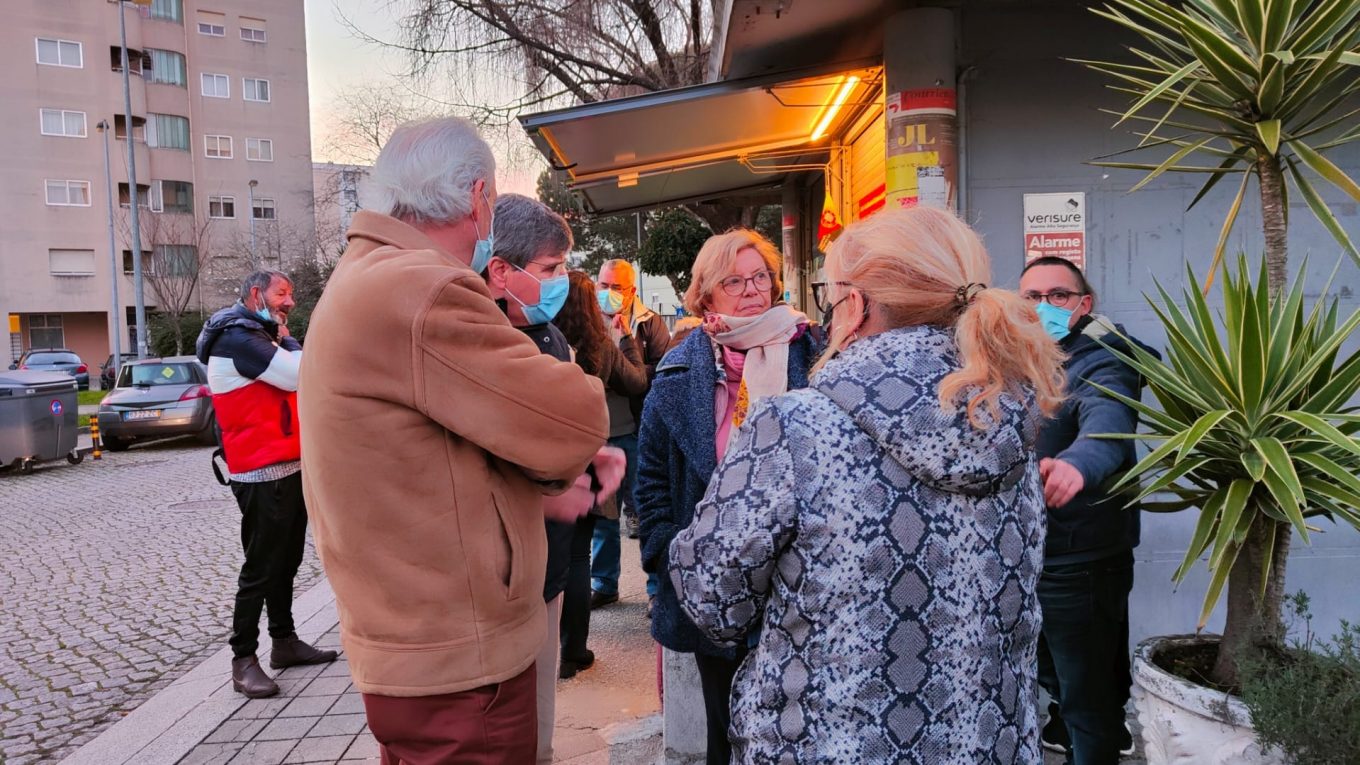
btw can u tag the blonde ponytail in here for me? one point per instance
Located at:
(1002, 345)
(924, 266)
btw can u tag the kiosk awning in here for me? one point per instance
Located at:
(708, 141)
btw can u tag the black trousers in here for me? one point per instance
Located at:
(575, 627)
(1084, 653)
(715, 675)
(273, 531)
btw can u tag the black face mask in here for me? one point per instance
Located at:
(831, 310)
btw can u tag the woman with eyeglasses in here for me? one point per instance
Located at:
(750, 346)
(882, 530)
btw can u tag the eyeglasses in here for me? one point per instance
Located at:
(819, 294)
(736, 285)
(1056, 298)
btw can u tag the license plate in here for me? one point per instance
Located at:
(143, 414)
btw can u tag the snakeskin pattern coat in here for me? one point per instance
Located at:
(888, 552)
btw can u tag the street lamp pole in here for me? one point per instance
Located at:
(137, 286)
(254, 263)
(116, 310)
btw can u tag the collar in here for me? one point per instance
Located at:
(386, 230)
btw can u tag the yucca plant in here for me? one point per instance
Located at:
(1254, 429)
(1251, 88)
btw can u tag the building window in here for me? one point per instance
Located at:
(168, 131)
(71, 262)
(167, 68)
(120, 128)
(138, 61)
(217, 146)
(176, 259)
(168, 10)
(148, 268)
(143, 196)
(255, 90)
(60, 53)
(259, 150)
(177, 196)
(63, 123)
(44, 331)
(68, 193)
(221, 207)
(252, 30)
(216, 85)
(263, 209)
(212, 24)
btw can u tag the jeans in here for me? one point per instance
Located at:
(1084, 652)
(575, 627)
(605, 564)
(273, 531)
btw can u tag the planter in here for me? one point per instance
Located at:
(1188, 724)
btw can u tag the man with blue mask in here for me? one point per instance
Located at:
(1088, 555)
(628, 315)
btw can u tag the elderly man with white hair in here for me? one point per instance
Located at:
(431, 432)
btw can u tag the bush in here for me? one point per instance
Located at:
(160, 332)
(1306, 700)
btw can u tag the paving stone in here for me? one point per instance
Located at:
(211, 754)
(262, 708)
(322, 749)
(291, 728)
(236, 730)
(363, 748)
(120, 592)
(335, 725)
(326, 686)
(263, 753)
(308, 706)
(350, 703)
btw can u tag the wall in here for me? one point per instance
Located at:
(1031, 123)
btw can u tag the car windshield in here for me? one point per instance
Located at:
(52, 358)
(155, 374)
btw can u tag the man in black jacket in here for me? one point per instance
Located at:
(1088, 560)
(621, 303)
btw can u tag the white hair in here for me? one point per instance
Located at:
(425, 171)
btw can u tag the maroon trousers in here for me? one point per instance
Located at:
(493, 725)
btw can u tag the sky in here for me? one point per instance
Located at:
(337, 60)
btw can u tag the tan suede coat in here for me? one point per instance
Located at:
(430, 430)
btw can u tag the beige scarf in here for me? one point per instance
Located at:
(765, 339)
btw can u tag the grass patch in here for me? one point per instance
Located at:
(91, 397)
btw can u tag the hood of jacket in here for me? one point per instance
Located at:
(235, 315)
(1094, 333)
(889, 385)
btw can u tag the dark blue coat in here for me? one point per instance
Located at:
(1094, 524)
(676, 459)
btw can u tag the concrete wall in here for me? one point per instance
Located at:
(1031, 121)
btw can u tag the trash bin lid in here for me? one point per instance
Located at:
(21, 379)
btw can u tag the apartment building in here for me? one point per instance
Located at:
(337, 189)
(220, 133)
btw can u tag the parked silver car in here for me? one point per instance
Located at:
(56, 360)
(154, 398)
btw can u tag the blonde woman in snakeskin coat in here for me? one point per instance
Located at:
(883, 529)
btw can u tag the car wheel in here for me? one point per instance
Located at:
(209, 435)
(116, 444)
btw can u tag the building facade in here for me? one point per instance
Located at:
(222, 147)
(337, 189)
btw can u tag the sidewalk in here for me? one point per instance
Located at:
(319, 717)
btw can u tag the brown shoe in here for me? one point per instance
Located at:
(247, 677)
(291, 652)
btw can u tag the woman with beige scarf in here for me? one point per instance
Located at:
(751, 345)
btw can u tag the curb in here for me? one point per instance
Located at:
(170, 724)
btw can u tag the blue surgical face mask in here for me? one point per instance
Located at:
(264, 314)
(1057, 321)
(481, 253)
(552, 295)
(611, 302)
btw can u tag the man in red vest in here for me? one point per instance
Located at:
(253, 374)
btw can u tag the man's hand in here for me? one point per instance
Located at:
(571, 504)
(283, 331)
(1062, 482)
(576, 501)
(618, 327)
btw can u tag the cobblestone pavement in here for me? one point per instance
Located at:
(116, 577)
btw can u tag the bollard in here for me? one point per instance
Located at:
(95, 453)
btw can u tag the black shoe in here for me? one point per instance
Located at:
(247, 677)
(598, 599)
(631, 522)
(571, 666)
(291, 652)
(1054, 736)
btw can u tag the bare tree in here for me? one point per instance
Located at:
(361, 119)
(181, 247)
(503, 57)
